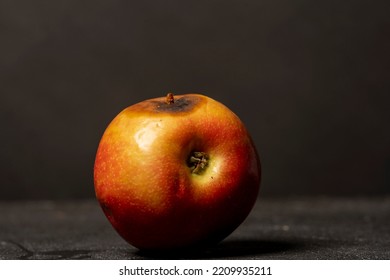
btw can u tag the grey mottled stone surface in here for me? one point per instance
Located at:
(277, 228)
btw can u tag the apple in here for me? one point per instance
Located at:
(176, 172)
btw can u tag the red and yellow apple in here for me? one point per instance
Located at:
(176, 172)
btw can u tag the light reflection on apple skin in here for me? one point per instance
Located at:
(147, 134)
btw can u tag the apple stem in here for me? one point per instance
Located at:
(198, 161)
(170, 99)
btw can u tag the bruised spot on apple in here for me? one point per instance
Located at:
(176, 172)
(170, 104)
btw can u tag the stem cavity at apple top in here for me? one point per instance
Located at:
(198, 162)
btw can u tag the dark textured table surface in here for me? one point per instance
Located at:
(277, 228)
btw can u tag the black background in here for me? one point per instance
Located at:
(310, 79)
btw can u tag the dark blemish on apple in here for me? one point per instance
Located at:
(181, 105)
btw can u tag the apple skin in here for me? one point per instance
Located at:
(144, 183)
